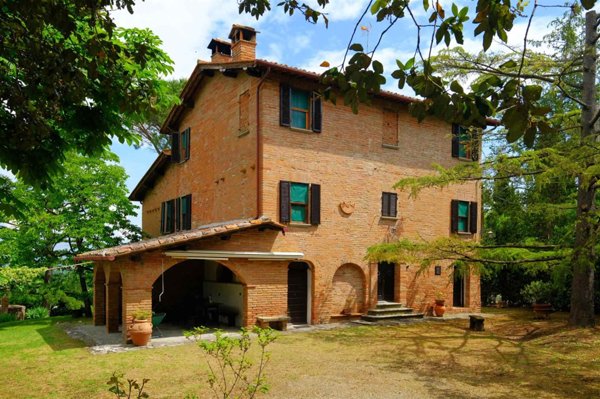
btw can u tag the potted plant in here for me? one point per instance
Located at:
(140, 329)
(440, 299)
(538, 294)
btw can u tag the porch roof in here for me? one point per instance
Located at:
(179, 238)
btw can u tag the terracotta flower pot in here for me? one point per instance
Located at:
(140, 332)
(439, 309)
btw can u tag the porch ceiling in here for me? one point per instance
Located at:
(226, 255)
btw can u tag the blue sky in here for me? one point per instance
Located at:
(187, 26)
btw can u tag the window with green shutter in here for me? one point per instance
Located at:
(299, 202)
(299, 108)
(463, 217)
(465, 144)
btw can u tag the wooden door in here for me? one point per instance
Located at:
(458, 292)
(386, 276)
(298, 292)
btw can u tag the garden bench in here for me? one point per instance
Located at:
(275, 322)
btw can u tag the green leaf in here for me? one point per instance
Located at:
(377, 67)
(409, 64)
(425, 5)
(487, 40)
(508, 64)
(463, 12)
(532, 92)
(356, 47)
(454, 9)
(456, 87)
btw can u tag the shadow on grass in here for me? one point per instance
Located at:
(57, 339)
(22, 333)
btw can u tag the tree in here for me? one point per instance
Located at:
(84, 209)
(68, 81)
(147, 124)
(505, 89)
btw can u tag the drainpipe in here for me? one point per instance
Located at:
(259, 151)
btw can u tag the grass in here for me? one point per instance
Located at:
(515, 357)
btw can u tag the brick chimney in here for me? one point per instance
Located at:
(221, 50)
(243, 43)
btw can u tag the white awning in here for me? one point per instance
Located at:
(226, 255)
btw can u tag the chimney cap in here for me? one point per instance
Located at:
(250, 31)
(220, 46)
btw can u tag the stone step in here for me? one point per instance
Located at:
(385, 304)
(389, 310)
(392, 316)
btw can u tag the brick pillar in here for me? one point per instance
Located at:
(372, 285)
(99, 296)
(113, 290)
(134, 299)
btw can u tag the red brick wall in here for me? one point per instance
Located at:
(221, 171)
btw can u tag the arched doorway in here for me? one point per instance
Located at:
(348, 290)
(299, 287)
(199, 292)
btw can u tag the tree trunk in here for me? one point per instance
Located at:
(584, 256)
(84, 291)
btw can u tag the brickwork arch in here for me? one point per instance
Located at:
(348, 290)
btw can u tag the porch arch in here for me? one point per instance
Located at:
(199, 292)
(348, 290)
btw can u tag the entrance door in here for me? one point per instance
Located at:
(458, 292)
(298, 292)
(385, 281)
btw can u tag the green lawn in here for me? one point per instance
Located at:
(516, 357)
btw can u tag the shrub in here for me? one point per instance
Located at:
(537, 292)
(6, 317)
(133, 389)
(38, 312)
(230, 368)
(141, 315)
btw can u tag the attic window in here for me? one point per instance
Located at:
(180, 146)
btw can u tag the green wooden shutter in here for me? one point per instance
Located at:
(185, 145)
(454, 216)
(177, 223)
(385, 204)
(284, 105)
(455, 140)
(316, 118)
(315, 204)
(175, 154)
(473, 210)
(186, 212)
(284, 201)
(393, 204)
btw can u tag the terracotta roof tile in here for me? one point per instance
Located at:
(177, 238)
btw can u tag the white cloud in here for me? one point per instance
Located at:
(341, 10)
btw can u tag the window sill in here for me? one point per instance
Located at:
(300, 130)
(389, 217)
(390, 146)
(464, 233)
(297, 224)
(465, 159)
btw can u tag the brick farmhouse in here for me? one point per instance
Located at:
(269, 198)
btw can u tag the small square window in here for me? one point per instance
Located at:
(389, 202)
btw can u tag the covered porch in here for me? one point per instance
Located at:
(217, 275)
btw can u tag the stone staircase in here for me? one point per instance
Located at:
(389, 311)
